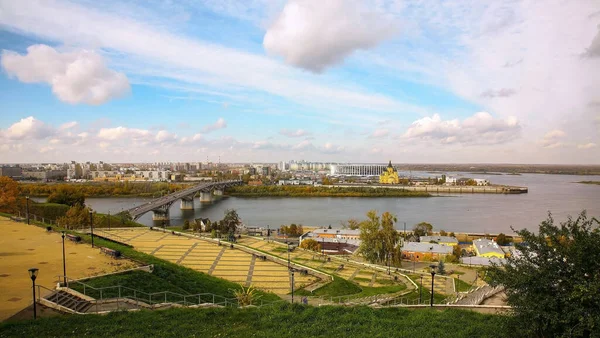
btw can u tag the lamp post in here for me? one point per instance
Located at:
(33, 272)
(92, 226)
(268, 233)
(421, 291)
(432, 266)
(109, 221)
(288, 245)
(27, 208)
(64, 260)
(292, 286)
(219, 237)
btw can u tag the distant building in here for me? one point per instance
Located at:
(45, 175)
(389, 176)
(443, 240)
(420, 251)
(487, 248)
(482, 261)
(12, 172)
(266, 171)
(335, 241)
(481, 181)
(357, 169)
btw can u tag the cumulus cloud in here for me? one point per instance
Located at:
(220, 124)
(294, 133)
(68, 125)
(481, 128)
(314, 34)
(119, 133)
(504, 92)
(28, 128)
(586, 145)
(553, 139)
(594, 50)
(75, 77)
(379, 133)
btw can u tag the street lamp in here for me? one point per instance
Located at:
(288, 244)
(421, 291)
(108, 220)
(64, 260)
(27, 208)
(432, 266)
(219, 237)
(268, 233)
(33, 272)
(292, 286)
(92, 226)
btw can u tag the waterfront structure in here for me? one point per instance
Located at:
(419, 251)
(389, 176)
(443, 240)
(295, 182)
(487, 248)
(357, 169)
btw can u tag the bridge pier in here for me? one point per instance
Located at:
(206, 197)
(187, 203)
(160, 215)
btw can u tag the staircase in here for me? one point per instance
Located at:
(69, 301)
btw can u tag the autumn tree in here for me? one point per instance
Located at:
(69, 197)
(9, 191)
(553, 286)
(352, 224)
(378, 237)
(443, 233)
(310, 244)
(77, 217)
(423, 229)
(501, 239)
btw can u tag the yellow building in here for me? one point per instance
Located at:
(487, 248)
(389, 176)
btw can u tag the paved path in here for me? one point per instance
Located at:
(214, 264)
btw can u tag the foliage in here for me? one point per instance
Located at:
(285, 320)
(292, 230)
(245, 296)
(441, 269)
(443, 233)
(379, 239)
(310, 244)
(423, 229)
(67, 196)
(554, 285)
(456, 254)
(352, 224)
(186, 225)
(312, 191)
(77, 217)
(452, 234)
(103, 189)
(230, 222)
(9, 192)
(502, 239)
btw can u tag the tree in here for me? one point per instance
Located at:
(502, 239)
(230, 222)
(326, 181)
(378, 237)
(441, 269)
(553, 286)
(452, 234)
(9, 190)
(456, 253)
(66, 196)
(423, 229)
(310, 244)
(186, 225)
(443, 233)
(78, 216)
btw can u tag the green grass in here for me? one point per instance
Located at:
(589, 182)
(462, 286)
(338, 287)
(280, 321)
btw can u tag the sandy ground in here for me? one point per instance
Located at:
(25, 246)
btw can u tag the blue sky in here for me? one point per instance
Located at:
(410, 81)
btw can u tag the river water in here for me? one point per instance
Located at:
(490, 213)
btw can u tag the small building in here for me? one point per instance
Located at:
(390, 175)
(420, 251)
(482, 261)
(443, 240)
(487, 248)
(481, 181)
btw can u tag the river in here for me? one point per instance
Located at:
(490, 213)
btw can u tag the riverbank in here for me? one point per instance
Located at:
(444, 189)
(589, 182)
(321, 191)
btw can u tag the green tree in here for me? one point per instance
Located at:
(441, 269)
(352, 224)
(501, 239)
(443, 233)
(66, 196)
(378, 237)
(423, 229)
(186, 225)
(230, 222)
(77, 217)
(452, 234)
(9, 190)
(553, 286)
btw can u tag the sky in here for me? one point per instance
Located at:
(506, 81)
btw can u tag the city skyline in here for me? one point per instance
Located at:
(266, 81)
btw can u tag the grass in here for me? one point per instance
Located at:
(191, 281)
(462, 286)
(278, 321)
(338, 287)
(589, 182)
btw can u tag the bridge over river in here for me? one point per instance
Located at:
(160, 206)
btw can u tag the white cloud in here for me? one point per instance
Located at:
(75, 77)
(379, 133)
(553, 139)
(68, 125)
(314, 34)
(586, 145)
(480, 128)
(220, 124)
(119, 133)
(28, 128)
(294, 133)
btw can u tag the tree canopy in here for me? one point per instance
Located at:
(553, 285)
(310, 244)
(70, 197)
(378, 237)
(423, 229)
(9, 191)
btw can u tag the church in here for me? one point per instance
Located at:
(389, 176)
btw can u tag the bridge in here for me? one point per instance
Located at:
(160, 206)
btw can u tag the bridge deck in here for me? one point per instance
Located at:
(167, 200)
